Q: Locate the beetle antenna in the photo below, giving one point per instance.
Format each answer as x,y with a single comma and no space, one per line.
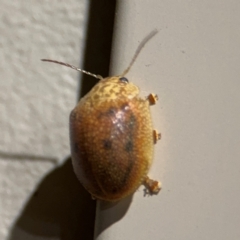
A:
140,47
73,67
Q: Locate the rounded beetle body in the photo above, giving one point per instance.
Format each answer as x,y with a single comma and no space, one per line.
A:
111,138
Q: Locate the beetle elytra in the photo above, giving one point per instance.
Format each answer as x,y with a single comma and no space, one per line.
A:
112,136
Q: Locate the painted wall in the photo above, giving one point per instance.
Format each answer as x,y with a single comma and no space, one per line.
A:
192,64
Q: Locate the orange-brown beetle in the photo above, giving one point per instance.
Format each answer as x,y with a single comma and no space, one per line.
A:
112,137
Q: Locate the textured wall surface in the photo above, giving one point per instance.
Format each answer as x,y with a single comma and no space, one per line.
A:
35,101
192,64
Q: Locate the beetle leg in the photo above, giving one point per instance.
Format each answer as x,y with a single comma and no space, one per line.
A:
156,136
152,98
152,186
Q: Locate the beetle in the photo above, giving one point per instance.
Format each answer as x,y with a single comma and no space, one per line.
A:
112,137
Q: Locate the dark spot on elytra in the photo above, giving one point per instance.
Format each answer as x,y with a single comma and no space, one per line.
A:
107,144
129,146
132,122
112,111
128,170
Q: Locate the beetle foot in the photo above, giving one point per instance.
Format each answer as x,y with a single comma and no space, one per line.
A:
156,136
152,98
152,186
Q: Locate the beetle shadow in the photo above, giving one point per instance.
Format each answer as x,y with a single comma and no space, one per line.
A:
59,208
109,213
